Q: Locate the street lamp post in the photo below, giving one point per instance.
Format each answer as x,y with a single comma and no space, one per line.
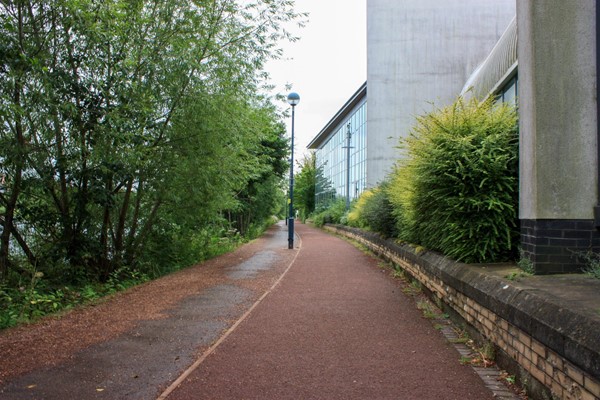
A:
293,99
348,147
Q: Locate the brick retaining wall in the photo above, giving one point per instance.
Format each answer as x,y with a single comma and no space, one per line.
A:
554,351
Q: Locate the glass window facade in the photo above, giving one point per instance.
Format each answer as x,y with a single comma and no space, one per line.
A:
509,92
332,159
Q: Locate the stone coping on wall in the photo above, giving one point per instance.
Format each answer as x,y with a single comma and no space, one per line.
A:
560,312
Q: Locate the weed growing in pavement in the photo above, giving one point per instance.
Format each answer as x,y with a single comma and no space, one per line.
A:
484,355
525,264
487,353
478,360
509,378
462,337
399,273
426,308
413,288
511,382
363,248
360,246
395,270
460,340
464,360
383,265
429,310
592,261
515,276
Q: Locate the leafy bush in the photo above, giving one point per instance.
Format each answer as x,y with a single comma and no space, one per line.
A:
124,278
378,213
355,216
334,214
36,296
374,211
457,189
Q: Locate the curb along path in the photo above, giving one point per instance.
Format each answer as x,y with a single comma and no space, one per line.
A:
335,327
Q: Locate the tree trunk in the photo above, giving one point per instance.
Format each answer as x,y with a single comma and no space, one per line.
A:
15,185
120,231
141,238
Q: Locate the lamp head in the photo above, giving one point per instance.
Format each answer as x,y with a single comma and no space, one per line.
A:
293,99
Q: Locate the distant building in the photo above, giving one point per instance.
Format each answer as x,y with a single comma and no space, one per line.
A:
420,53
331,150
497,75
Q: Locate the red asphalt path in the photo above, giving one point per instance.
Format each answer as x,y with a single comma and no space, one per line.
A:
335,327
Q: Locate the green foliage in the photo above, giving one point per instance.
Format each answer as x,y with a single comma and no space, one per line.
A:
356,214
304,186
135,136
525,264
39,297
456,190
334,214
374,211
592,261
124,278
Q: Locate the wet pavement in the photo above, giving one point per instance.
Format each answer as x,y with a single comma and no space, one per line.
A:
320,321
336,327
137,364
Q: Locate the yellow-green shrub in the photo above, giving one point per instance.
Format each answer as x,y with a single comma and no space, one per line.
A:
456,190
355,214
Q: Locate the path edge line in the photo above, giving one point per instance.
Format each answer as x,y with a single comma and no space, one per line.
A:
212,348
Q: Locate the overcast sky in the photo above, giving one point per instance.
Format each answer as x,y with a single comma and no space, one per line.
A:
326,66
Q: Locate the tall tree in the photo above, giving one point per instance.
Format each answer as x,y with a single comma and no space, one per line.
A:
93,107
305,185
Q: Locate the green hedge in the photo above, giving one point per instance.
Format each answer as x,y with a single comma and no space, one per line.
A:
374,211
456,189
335,213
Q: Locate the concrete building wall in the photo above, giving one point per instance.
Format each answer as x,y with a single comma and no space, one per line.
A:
558,132
557,70
421,52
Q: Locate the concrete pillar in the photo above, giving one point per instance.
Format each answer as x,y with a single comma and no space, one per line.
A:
558,132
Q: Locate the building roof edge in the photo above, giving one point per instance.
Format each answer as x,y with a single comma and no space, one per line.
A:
338,117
